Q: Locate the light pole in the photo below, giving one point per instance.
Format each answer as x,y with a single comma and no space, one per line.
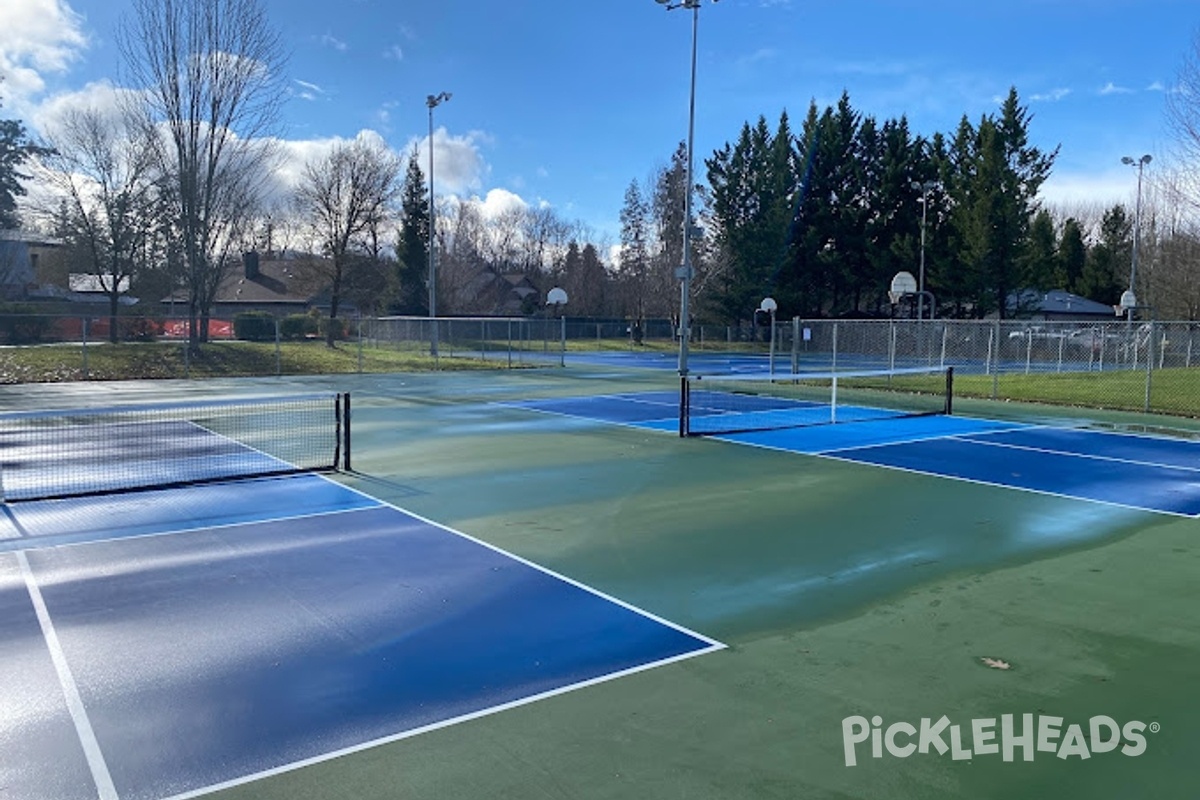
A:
1131,301
684,273
433,101
924,187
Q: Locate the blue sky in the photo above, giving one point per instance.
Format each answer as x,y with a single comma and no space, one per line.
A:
564,103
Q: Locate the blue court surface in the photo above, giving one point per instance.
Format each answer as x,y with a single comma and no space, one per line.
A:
1150,473
166,644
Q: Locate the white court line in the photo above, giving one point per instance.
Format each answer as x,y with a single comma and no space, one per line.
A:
641,425
308,762
834,455
1009,486
105,788
710,645
55,541
1073,454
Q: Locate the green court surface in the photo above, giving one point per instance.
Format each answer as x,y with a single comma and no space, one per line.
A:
842,591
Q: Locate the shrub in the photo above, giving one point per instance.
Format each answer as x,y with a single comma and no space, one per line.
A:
23,324
298,326
338,326
254,326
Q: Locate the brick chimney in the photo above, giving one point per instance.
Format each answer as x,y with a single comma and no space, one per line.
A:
250,264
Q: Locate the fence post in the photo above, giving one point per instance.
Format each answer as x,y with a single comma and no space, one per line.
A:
278,354
834,355
795,345
945,337
1149,364
996,360
84,327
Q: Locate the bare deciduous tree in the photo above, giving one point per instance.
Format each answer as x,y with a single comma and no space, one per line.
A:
104,173
210,77
1183,105
345,197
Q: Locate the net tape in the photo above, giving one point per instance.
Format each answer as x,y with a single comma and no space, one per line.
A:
95,451
737,403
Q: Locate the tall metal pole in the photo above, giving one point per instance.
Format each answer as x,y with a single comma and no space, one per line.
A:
433,101
924,186
684,272
1137,223
921,273
1129,298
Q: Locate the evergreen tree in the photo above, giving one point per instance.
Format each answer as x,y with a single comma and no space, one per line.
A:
1107,269
15,149
635,253
594,283
997,178
1072,256
412,247
667,209
748,205
1039,267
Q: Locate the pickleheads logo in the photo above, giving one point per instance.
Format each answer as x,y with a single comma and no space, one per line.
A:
1028,735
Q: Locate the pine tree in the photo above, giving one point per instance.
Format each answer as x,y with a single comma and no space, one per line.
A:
1039,266
994,188
1072,256
635,254
15,149
412,247
1106,271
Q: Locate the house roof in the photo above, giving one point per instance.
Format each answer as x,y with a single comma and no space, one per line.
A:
277,281
1058,302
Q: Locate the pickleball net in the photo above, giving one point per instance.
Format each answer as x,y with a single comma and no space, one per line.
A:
712,405
96,451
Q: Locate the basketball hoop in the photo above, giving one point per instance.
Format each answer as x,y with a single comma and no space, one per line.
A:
903,283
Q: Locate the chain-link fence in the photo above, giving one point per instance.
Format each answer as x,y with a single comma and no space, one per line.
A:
49,347
1119,365
1126,366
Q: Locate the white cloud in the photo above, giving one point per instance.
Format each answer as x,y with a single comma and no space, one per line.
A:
1053,96
394,53
296,153
101,96
498,202
1112,88
308,91
458,166
37,37
329,40
1090,189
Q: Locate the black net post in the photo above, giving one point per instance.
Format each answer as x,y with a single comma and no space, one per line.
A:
684,406
949,390
345,431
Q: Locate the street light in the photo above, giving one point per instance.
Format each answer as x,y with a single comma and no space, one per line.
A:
433,101
924,187
1131,301
684,273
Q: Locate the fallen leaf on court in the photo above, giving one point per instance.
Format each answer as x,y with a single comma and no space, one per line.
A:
996,663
